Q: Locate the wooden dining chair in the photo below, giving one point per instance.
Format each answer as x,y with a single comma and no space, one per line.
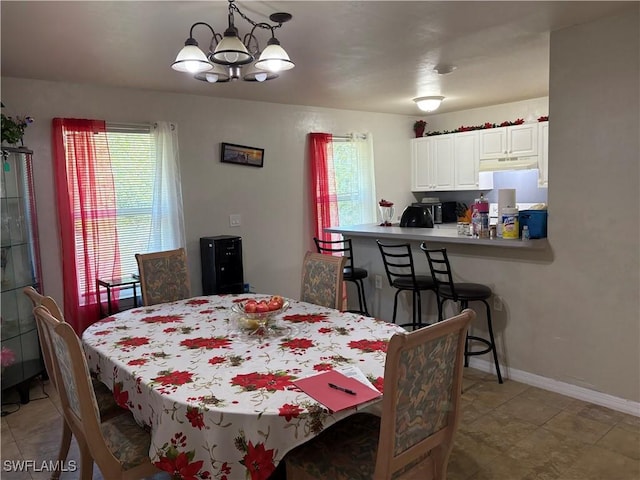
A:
413,437
104,397
164,276
119,446
351,273
322,280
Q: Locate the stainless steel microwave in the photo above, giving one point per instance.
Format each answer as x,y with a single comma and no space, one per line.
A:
441,212
435,209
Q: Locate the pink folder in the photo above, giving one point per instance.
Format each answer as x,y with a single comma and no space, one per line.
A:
317,387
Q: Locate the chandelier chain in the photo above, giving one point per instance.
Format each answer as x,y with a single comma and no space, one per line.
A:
264,25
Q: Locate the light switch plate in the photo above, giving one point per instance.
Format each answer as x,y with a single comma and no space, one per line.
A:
235,220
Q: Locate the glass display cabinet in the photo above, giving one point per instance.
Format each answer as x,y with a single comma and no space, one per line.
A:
21,358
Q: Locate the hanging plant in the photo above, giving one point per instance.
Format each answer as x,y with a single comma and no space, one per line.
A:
13,129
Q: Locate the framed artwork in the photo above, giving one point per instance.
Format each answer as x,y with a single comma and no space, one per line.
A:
231,153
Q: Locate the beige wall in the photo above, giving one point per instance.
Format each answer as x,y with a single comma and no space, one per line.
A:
571,314
272,201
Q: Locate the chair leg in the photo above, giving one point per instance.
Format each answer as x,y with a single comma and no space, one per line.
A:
363,302
463,305
439,305
65,443
395,305
441,308
492,340
417,320
86,461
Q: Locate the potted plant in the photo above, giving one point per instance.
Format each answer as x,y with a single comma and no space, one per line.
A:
13,129
419,127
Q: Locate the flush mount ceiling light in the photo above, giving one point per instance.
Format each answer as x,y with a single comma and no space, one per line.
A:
228,54
428,104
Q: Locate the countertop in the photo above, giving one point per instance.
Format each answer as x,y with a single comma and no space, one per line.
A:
445,233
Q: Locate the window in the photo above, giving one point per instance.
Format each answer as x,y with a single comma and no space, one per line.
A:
342,181
118,193
133,163
354,186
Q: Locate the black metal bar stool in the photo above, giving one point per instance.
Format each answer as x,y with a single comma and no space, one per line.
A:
463,293
350,273
401,273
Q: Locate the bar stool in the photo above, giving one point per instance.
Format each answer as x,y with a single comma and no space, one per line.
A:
401,273
350,273
463,293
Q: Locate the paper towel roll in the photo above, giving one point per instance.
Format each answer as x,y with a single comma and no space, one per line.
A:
506,199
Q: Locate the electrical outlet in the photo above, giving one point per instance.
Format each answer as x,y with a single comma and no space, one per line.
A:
235,220
378,281
497,303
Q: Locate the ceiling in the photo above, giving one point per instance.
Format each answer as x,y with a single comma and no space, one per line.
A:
355,55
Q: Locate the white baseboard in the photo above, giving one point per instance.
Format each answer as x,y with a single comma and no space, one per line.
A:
573,391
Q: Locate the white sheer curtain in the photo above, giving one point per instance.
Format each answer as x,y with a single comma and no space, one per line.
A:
366,179
167,219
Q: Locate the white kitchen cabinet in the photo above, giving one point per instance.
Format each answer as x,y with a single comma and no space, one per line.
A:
467,160
420,166
445,162
432,163
543,154
513,141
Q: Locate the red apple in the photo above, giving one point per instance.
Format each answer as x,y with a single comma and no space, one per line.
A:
262,307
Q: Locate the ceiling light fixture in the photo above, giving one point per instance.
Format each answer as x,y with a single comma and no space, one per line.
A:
228,54
428,104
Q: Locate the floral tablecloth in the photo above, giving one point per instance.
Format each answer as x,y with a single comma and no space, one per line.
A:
220,401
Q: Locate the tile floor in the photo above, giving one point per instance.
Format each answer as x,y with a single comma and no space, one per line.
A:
507,432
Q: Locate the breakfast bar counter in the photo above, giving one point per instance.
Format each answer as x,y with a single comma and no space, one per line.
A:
440,234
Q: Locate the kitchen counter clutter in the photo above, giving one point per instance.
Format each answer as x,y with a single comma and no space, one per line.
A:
447,233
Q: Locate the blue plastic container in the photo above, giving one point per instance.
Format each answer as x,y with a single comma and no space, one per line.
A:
536,220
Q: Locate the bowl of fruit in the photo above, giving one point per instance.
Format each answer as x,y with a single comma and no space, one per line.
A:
259,314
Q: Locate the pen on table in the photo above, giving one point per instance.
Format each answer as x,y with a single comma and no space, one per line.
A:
342,389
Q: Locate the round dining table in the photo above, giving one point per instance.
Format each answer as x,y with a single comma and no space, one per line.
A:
218,397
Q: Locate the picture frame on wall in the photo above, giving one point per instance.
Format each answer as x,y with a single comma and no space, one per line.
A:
242,155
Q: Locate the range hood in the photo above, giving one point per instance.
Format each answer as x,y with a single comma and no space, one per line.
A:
502,164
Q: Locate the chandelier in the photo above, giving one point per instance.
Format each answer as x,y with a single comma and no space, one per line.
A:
228,55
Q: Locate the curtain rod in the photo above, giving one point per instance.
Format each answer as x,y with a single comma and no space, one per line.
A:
351,136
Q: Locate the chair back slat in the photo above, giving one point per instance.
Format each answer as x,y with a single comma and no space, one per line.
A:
398,261
322,280
440,269
341,247
164,276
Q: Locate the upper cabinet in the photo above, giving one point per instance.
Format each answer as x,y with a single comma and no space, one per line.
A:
512,141
543,156
467,161
432,163
446,162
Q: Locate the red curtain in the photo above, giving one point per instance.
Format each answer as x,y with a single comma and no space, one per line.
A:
323,184
86,213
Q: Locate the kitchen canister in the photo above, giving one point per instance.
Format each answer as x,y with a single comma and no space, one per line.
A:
510,227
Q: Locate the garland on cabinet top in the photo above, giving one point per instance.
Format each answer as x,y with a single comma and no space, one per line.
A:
484,126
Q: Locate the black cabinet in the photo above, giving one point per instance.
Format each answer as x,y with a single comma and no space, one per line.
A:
221,258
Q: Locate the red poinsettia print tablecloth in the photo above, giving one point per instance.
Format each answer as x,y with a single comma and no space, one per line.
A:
220,401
